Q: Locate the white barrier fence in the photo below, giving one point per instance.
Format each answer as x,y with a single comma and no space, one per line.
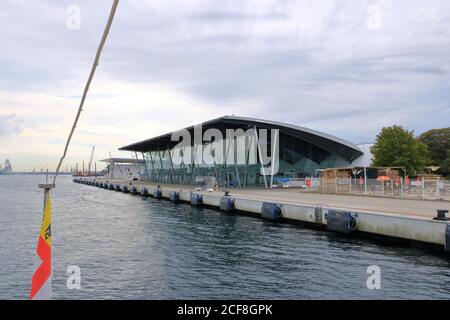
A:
397,188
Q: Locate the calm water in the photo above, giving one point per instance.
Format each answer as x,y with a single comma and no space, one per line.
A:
129,247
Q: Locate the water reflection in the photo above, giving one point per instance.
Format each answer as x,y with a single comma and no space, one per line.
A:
134,248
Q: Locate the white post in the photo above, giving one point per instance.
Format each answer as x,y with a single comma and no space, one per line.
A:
365,180
423,187
437,189
260,157
47,187
351,182
401,187
273,157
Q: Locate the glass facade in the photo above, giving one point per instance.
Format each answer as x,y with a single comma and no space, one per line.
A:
240,165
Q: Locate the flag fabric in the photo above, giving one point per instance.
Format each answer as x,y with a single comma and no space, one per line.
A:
41,282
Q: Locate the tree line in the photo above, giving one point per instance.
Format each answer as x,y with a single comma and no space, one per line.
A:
397,147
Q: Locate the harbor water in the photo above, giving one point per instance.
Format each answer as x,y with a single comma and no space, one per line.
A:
130,247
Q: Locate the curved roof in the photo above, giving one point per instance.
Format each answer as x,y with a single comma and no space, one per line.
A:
344,148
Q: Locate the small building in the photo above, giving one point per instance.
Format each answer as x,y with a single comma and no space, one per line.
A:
125,169
343,180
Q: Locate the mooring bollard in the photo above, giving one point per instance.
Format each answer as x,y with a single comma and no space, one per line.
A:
196,200
226,204
441,215
157,194
341,221
144,192
271,211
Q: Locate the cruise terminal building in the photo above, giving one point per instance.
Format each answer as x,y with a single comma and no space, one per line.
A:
239,151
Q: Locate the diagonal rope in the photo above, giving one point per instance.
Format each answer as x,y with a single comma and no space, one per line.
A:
86,88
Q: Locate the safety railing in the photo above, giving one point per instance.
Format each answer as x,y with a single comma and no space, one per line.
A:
397,187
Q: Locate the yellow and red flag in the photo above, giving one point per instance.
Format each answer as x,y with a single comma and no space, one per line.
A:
41,282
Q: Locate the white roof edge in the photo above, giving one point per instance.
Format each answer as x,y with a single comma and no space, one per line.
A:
295,127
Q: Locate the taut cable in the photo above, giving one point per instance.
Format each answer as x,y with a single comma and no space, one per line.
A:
88,83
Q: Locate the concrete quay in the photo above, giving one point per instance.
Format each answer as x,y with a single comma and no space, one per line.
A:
387,217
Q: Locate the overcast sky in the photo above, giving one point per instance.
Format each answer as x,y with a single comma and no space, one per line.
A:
347,68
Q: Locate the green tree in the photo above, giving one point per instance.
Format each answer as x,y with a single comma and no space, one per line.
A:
397,147
438,143
445,165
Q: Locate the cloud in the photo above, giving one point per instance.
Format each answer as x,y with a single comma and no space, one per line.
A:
168,64
9,125
116,113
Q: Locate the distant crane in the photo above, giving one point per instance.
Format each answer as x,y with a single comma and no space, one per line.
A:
90,161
